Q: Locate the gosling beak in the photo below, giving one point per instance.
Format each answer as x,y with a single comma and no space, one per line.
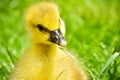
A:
57,37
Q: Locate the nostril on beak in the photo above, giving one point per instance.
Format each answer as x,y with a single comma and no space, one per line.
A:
57,37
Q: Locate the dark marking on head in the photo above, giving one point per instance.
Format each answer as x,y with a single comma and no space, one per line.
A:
42,28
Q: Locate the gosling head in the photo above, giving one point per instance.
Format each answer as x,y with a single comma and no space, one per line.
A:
45,25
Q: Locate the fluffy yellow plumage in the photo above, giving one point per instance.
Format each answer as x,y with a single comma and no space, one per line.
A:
44,60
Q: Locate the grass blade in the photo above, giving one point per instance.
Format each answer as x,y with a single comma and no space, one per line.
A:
109,61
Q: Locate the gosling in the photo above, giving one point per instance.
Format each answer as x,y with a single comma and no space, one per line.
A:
44,60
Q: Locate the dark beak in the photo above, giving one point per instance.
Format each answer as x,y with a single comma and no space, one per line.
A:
57,37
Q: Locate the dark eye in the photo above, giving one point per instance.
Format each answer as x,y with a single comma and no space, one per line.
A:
40,27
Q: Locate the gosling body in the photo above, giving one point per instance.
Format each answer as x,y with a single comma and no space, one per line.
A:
44,60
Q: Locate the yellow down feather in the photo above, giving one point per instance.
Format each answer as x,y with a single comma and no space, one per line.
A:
44,60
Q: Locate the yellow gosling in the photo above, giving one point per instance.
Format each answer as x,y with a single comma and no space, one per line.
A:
44,60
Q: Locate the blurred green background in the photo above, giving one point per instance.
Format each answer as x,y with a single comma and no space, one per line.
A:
93,34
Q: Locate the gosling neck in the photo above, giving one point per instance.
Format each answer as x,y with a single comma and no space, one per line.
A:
44,49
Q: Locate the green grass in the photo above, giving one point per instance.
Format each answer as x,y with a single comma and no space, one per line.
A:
93,34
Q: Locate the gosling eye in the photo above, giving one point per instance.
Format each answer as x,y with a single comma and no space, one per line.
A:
40,27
